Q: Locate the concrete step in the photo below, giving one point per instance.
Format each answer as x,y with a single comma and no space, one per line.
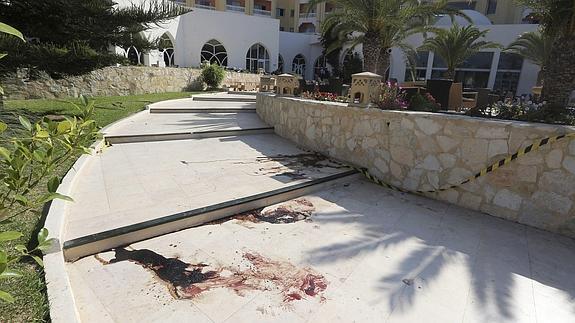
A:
101,241
235,98
123,139
201,110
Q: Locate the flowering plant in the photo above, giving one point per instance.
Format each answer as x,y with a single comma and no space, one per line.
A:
526,111
323,96
391,97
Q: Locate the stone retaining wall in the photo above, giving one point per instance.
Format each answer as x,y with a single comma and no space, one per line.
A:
125,80
425,151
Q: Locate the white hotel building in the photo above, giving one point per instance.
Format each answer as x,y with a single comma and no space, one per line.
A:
282,35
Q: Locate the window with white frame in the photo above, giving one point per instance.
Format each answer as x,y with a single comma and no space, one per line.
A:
166,47
473,73
298,65
214,52
320,69
257,57
508,73
417,72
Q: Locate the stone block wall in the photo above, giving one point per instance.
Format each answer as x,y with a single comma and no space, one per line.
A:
125,80
426,151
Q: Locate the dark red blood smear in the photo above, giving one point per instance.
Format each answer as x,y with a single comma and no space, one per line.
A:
313,284
171,270
186,280
293,296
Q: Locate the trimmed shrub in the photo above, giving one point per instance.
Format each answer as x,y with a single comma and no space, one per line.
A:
213,75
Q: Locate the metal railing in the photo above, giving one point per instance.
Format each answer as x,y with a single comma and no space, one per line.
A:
230,7
307,15
260,12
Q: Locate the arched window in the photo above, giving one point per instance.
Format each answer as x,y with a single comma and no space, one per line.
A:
133,52
257,57
166,47
134,55
215,53
307,28
320,68
280,64
298,65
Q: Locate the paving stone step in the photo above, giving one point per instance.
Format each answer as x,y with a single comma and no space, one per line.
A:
98,242
224,99
201,110
123,139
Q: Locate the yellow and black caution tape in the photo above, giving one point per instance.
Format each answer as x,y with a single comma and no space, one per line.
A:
533,147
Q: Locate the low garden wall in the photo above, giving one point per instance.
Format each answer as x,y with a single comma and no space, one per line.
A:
425,151
125,80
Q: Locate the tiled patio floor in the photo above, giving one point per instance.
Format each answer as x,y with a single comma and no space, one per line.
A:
355,252
385,257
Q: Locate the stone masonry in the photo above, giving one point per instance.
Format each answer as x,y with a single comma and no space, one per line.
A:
426,151
125,80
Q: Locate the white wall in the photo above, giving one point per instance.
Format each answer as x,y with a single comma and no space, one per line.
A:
292,44
237,32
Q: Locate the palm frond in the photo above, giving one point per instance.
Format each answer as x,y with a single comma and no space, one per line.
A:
532,46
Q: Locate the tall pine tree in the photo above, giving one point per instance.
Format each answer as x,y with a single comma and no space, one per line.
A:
74,36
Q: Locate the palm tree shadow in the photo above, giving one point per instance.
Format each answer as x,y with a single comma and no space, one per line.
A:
434,246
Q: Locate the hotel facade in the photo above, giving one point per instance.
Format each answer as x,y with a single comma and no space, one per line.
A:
282,36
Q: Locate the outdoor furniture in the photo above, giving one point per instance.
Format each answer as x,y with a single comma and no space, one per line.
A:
536,90
493,98
237,86
459,100
482,97
439,89
286,84
267,83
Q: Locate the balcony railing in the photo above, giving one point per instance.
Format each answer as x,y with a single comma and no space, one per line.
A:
205,6
260,12
307,15
230,7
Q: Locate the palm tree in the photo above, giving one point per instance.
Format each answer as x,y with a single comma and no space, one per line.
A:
535,47
557,17
379,25
457,44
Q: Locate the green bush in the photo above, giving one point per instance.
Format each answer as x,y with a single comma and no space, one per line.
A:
213,75
73,59
425,102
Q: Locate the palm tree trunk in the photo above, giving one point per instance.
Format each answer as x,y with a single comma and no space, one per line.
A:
559,74
371,50
450,74
384,59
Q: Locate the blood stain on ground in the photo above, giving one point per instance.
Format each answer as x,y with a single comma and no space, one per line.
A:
295,166
286,212
186,280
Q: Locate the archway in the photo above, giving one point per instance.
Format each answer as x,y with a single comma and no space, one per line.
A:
307,28
214,52
257,57
298,65
166,48
321,68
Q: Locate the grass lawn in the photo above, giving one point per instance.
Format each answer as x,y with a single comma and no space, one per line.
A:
29,290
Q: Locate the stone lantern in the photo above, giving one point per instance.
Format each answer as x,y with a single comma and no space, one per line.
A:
365,89
286,84
267,83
